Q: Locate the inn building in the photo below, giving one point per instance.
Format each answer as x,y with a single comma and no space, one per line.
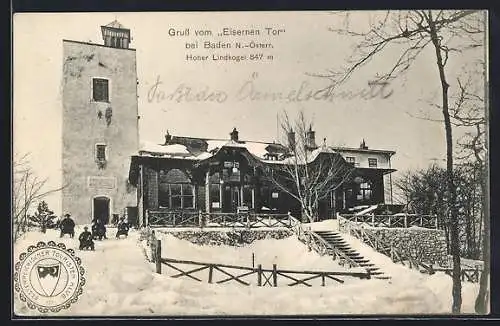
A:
185,175
107,173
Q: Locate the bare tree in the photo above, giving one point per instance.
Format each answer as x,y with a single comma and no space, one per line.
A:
410,32
470,112
27,188
307,173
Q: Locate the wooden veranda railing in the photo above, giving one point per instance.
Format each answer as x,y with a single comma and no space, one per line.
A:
203,219
394,221
223,273
246,220
171,218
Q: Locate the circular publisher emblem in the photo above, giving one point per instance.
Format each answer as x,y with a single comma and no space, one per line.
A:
49,277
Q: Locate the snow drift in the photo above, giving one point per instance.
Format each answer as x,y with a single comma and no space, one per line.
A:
120,282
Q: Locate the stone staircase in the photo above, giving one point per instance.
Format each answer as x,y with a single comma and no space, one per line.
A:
336,240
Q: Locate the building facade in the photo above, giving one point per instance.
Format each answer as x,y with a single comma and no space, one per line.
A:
186,174
100,125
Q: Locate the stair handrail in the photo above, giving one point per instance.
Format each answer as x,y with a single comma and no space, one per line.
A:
360,232
302,233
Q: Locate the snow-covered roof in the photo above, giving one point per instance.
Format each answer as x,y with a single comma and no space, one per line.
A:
115,24
191,148
203,148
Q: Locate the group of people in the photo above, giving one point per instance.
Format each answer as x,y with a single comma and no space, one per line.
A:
98,228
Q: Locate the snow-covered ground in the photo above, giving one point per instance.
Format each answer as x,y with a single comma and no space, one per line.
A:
121,282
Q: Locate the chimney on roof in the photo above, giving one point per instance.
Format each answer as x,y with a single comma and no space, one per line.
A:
311,138
362,145
291,139
234,135
168,137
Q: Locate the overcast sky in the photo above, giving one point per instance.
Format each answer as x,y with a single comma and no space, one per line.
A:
306,46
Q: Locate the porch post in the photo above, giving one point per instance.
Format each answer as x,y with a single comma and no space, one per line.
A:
241,196
207,191
141,219
253,197
220,195
343,199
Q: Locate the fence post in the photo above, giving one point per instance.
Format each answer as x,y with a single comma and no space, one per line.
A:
158,256
200,219
253,260
389,222
373,220
210,273
436,222
275,276
259,275
406,221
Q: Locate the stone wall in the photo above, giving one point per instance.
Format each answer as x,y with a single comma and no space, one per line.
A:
236,238
426,245
86,123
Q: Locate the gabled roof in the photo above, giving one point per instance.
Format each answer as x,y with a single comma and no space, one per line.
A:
115,24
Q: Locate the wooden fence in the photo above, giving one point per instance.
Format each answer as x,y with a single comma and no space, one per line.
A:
319,245
398,256
466,274
203,219
222,273
386,248
173,218
395,221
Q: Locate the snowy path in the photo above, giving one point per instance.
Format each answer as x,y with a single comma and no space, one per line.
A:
120,282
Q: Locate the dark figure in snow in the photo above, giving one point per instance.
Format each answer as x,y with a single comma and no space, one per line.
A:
123,228
98,230
86,241
67,226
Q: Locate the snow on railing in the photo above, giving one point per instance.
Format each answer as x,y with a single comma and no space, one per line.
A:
319,245
394,221
382,246
173,218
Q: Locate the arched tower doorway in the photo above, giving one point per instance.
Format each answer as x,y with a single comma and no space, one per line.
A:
101,209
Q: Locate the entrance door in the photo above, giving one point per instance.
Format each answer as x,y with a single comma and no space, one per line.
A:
101,209
230,199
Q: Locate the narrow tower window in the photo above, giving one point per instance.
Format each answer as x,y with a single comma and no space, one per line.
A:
100,90
100,152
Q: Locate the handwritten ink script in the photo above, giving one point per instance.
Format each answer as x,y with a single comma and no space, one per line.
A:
250,90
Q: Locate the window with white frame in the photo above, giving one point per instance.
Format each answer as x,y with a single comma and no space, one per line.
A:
351,159
372,162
